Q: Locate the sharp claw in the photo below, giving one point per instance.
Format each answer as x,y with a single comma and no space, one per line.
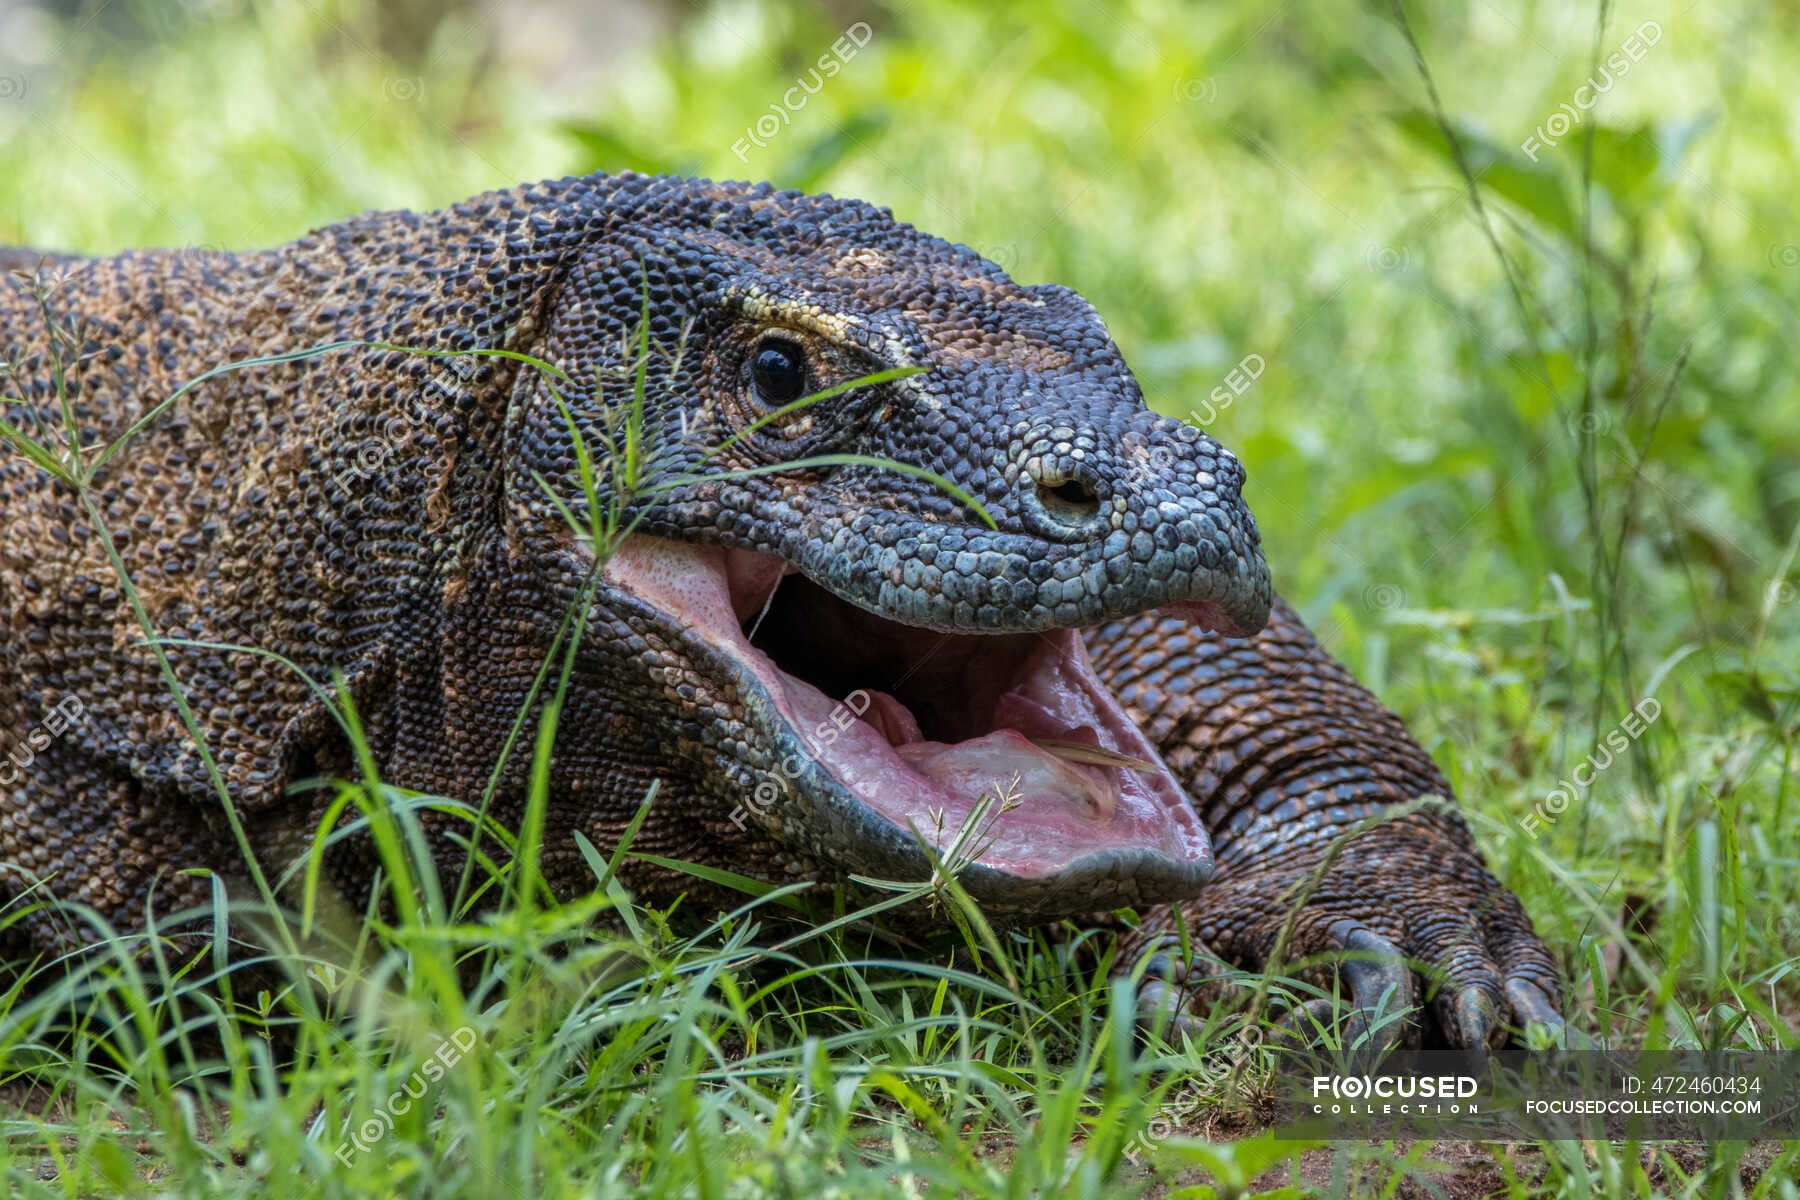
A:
1532,1007
1381,984
1304,1023
1164,1006
1176,988
1474,1022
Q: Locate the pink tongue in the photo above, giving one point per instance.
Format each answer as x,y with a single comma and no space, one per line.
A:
989,765
893,719
1018,711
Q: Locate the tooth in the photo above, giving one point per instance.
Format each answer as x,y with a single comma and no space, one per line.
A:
1081,752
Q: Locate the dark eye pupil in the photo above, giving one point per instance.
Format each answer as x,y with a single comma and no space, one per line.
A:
780,372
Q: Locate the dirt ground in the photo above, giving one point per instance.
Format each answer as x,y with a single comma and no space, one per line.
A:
1472,1170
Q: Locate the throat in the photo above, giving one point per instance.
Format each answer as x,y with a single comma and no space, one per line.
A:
946,686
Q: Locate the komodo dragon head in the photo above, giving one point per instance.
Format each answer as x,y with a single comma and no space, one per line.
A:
849,656
825,655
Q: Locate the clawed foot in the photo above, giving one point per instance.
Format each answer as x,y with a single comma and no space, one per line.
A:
1405,924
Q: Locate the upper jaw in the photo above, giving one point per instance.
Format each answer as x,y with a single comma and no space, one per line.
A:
976,581
853,780
1146,547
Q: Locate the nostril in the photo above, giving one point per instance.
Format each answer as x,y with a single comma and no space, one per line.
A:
1071,501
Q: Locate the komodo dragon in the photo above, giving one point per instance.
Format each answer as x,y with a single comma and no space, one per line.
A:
814,662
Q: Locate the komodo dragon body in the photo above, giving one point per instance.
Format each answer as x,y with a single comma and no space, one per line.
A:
822,665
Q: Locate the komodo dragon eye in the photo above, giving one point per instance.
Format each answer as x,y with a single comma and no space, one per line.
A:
779,371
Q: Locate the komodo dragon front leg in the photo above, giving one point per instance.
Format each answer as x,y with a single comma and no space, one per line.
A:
1284,754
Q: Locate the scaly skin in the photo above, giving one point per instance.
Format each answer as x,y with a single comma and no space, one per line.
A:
1284,753
383,516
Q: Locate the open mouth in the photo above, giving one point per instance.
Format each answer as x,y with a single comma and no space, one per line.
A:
919,725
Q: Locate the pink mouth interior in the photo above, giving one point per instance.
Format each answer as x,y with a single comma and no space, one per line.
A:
919,725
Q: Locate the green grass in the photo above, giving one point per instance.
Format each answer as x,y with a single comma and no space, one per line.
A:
1521,466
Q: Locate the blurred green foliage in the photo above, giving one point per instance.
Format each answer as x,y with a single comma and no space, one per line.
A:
1520,462
1437,429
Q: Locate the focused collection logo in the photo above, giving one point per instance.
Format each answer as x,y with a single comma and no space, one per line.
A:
1375,1095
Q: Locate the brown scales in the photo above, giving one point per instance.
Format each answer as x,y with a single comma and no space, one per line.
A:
270,509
